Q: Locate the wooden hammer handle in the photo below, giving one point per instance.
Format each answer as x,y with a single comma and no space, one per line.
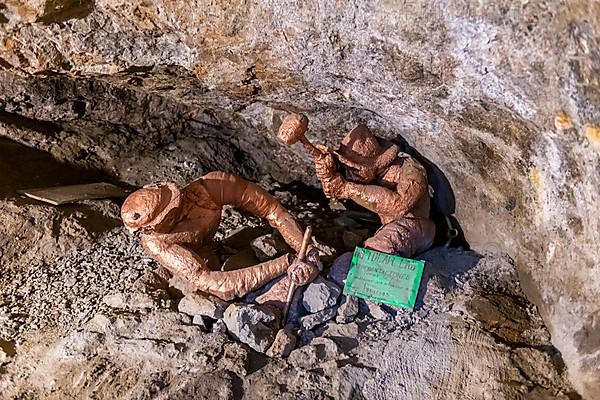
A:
314,152
305,241
301,256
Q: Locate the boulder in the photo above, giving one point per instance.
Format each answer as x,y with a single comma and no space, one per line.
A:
202,304
284,343
320,294
310,321
252,324
348,309
310,356
266,247
138,300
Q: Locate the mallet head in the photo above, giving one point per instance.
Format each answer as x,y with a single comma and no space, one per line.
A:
293,128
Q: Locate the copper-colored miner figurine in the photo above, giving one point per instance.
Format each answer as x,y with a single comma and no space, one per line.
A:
177,228
377,175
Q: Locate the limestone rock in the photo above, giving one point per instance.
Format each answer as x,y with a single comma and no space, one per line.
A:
137,300
200,304
348,309
253,325
311,355
201,321
310,321
219,327
375,310
284,343
268,246
320,294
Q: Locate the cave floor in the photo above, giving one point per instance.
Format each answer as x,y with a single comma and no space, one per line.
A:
473,335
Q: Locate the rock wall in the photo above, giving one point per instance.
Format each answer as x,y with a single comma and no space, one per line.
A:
503,96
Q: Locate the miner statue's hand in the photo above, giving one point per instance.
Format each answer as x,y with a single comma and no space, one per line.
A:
331,180
303,272
325,163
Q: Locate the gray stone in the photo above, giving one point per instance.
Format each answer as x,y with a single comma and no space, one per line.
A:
375,310
3,356
266,247
306,337
137,300
284,343
310,356
349,330
348,309
310,321
320,294
200,304
326,252
339,269
253,325
152,280
219,327
201,321
181,286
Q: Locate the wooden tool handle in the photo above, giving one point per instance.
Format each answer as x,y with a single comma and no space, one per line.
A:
305,241
301,256
314,152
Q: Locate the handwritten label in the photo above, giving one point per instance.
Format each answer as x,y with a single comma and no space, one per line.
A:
384,278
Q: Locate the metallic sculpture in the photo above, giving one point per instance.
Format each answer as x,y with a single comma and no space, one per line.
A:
177,229
377,175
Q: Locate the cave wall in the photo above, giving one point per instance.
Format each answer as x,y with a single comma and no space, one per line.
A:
503,96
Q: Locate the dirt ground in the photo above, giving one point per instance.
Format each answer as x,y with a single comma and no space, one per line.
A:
473,335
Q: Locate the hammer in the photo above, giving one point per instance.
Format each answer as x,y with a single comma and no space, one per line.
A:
292,130
301,256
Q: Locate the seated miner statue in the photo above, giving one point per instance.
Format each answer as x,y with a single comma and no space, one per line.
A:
377,175
177,229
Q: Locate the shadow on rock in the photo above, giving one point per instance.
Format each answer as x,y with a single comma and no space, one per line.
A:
445,264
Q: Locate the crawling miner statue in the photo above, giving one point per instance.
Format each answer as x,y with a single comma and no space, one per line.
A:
177,229
377,175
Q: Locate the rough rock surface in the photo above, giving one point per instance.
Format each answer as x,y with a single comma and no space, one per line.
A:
312,320
348,309
471,315
253,325
320,294
200,304
503,96
284,343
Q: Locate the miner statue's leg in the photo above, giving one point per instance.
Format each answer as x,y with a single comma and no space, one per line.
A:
404,237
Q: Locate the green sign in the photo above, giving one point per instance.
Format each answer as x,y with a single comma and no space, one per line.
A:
384,278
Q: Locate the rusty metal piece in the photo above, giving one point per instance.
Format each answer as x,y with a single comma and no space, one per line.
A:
177,228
